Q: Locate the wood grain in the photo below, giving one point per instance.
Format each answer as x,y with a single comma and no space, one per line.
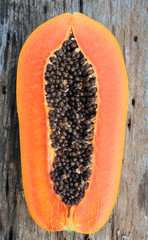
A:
127,20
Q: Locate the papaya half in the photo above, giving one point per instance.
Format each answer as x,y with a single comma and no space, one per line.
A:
72,100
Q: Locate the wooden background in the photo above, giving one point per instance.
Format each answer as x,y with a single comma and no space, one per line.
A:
127,20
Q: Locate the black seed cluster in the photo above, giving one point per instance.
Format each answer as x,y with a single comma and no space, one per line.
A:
71,97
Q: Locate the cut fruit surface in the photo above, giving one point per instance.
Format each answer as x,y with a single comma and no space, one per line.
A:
72,120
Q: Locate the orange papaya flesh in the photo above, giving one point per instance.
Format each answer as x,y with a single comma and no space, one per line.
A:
102,50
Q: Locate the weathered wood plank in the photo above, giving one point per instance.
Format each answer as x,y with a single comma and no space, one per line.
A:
127,20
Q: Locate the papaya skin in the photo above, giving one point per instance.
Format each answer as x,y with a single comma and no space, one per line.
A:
101,48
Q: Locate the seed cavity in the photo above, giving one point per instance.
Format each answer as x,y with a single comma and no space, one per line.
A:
71,96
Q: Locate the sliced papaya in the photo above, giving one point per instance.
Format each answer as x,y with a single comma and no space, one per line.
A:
72,100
